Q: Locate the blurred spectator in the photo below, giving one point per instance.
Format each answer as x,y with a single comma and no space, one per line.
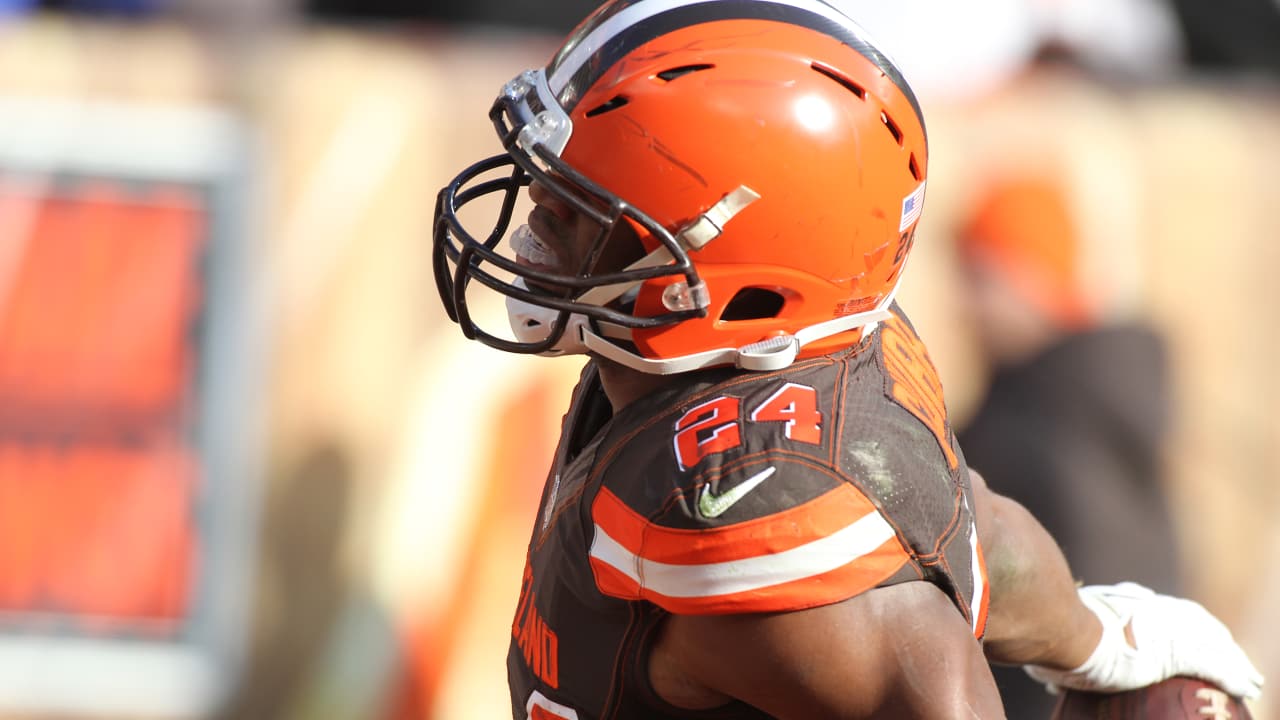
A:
1075,414
1231,35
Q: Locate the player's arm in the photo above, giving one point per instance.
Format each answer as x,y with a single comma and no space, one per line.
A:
900,651
1103,638
1035,615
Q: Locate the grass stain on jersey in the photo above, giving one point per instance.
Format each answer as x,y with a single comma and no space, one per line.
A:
874,466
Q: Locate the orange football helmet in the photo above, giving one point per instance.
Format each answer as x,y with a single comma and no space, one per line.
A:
771,160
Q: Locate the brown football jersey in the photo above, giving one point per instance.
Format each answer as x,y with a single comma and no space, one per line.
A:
732,492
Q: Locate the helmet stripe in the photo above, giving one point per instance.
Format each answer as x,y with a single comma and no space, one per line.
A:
607,38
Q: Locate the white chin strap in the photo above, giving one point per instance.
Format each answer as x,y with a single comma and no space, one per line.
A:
531,323
773,353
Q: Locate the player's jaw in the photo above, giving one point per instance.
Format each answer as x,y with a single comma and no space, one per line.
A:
563,240
554,239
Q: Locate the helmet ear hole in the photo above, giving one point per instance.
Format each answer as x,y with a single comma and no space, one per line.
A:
753,303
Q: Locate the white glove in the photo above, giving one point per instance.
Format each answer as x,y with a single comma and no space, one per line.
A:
1173,636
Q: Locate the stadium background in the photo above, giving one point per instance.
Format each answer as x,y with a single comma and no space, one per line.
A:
386,472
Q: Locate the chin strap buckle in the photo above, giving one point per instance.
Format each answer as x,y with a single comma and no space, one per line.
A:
772,353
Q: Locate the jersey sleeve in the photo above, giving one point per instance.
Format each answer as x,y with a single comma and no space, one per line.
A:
761,545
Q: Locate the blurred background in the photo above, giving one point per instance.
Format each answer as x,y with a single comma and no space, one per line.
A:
249,470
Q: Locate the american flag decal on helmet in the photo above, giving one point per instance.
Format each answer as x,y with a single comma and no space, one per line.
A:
911,206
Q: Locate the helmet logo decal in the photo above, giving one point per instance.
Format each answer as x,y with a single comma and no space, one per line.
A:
911,207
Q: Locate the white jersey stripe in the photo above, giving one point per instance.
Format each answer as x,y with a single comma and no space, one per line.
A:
975,607
724,578
642,11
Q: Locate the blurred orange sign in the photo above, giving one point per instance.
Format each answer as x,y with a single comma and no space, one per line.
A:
100,298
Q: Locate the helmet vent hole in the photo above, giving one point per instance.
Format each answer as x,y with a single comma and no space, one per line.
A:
677,72
753,303
893,127
613,103
913,166
848,84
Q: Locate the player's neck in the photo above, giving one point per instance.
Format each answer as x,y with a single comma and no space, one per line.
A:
623,386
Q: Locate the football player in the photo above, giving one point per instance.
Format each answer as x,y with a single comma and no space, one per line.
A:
758,507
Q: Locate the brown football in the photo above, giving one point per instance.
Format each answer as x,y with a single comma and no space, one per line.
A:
1179,698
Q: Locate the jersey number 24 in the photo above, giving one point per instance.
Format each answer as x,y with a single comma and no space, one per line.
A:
715,425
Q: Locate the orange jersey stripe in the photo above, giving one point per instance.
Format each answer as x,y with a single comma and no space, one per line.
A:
713,589
814,520
814,554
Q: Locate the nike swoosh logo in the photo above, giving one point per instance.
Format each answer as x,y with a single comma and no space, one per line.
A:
713,506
